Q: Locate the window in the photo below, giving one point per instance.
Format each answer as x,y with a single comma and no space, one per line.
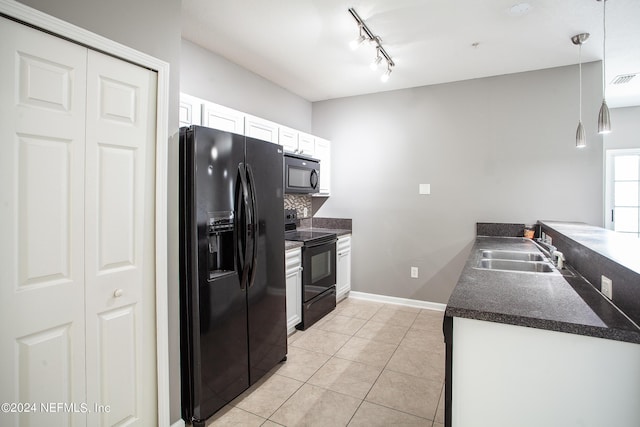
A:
622,186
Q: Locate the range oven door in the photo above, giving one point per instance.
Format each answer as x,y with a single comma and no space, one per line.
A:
318,269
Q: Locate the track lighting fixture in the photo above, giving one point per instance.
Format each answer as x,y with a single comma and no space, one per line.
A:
366,34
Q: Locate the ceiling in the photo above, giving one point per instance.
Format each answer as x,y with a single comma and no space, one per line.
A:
302,45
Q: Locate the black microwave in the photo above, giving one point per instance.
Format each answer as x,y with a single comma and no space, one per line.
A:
301,174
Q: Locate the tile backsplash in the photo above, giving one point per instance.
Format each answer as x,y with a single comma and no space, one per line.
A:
298,202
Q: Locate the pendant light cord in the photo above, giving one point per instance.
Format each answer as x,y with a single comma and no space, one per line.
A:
604,47
580,73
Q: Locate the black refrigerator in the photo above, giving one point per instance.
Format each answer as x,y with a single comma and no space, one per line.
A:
232,281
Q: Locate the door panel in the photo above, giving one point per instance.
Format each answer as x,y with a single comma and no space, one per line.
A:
267,296
116,227
42,122
44,372
118,368
120,295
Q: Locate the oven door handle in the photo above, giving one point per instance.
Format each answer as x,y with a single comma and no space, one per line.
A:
254,229
315,245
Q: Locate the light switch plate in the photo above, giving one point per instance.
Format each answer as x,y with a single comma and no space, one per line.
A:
424,189
414,272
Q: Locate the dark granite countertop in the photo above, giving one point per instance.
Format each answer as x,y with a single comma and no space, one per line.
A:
623,249
291,244
548,301
338,231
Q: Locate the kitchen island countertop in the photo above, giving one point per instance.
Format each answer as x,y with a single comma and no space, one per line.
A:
550,301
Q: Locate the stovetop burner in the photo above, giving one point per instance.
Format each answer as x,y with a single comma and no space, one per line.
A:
306,236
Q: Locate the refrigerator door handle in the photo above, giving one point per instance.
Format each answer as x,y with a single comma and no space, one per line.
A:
255,226
242,202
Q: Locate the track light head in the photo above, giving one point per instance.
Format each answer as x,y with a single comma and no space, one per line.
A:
376,62
355,43
385,77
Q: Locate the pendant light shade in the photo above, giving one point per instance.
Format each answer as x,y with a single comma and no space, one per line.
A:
604,122
581,138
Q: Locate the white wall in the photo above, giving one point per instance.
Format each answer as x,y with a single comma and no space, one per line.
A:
499,149
625,125
209,76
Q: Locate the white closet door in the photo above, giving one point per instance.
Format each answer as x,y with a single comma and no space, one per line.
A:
120,293
42,124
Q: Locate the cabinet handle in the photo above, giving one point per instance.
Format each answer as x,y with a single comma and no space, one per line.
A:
118,293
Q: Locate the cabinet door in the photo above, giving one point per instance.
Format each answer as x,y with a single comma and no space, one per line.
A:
293,268
343,266
42,126
223,118
190,110
306,144
119,236
323,153
288,138
265,130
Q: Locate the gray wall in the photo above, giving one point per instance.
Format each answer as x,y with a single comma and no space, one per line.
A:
209,76
499,149
625,125
152,27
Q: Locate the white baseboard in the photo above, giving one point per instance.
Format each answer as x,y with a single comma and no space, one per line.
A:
179,423
398,301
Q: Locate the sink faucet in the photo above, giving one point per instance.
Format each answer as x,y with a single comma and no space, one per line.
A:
549,247
561,259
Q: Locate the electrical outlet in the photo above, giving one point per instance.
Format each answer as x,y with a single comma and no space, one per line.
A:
606,285
414,272
305,212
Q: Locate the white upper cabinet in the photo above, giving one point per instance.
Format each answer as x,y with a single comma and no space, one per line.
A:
306,144
223,118
265,130
288,138
190,110
196,111
297,142
322,152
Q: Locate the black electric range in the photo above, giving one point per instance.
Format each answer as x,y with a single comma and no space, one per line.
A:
318,270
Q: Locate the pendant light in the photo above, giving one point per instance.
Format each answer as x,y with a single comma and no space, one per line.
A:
581,139
604,122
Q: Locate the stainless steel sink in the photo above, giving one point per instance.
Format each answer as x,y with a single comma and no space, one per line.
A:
511,265
511,255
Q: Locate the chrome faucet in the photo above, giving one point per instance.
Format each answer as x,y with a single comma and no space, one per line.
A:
550,249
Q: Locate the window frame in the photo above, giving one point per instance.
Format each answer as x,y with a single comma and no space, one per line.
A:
609,185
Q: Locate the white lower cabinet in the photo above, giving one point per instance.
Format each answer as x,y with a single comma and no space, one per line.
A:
293,272
343,267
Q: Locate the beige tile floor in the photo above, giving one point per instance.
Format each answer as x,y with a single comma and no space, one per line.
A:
364,364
